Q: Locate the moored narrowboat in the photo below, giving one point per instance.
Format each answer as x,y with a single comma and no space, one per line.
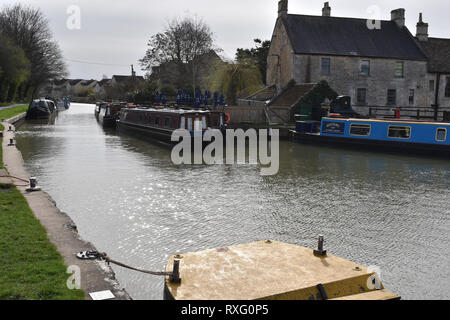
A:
41,109
109,113
418,137
159,124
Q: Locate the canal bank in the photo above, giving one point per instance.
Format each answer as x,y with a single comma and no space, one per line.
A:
126,196
95,276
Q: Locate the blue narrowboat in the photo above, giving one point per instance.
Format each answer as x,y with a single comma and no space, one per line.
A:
422,137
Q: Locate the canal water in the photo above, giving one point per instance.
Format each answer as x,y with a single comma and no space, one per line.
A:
126,197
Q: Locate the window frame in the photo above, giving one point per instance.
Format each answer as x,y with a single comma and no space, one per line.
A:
322,66
167,122
402,64
432,86
413,97
362,125
361,68
446,134
447,88
410,132
395,100
358,90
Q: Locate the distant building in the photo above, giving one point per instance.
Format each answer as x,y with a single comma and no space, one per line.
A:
377,67
101,88
171,74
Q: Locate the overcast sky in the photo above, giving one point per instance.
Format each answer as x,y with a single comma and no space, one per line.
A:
117,31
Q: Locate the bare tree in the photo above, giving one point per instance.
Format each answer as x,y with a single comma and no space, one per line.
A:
182,43
29,29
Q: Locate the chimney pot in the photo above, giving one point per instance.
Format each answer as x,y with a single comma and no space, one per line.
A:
283,8
326,11
398,16
422,29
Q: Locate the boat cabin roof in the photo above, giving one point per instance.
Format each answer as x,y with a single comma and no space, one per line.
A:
399,121
169,111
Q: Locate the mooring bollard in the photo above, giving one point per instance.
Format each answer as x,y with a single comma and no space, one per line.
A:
320,251
33,185
11,142
175,277
10,129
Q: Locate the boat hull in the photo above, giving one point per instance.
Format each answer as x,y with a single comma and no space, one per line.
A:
154,134
372,145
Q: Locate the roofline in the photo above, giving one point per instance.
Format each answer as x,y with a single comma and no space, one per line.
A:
425,58
359,56
434,38
334,17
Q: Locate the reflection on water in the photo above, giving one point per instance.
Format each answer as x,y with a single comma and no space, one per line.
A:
128,199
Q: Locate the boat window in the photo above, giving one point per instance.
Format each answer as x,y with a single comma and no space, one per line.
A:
190,124
152,120
360,130
197,125
157,121
399,132
221,120
204,123
441,134
215,120
183,123
167,122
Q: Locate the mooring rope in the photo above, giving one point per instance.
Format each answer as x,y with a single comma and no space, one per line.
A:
105,257
16,178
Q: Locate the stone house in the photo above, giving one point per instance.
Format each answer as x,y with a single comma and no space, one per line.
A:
101,88
379,66
437,51
175,76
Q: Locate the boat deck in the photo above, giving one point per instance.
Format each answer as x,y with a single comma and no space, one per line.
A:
269,270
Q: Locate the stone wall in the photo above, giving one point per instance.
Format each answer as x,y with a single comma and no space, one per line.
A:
279,71
345,78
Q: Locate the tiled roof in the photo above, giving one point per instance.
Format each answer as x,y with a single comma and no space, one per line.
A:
292,95
127,78
438,54
350,37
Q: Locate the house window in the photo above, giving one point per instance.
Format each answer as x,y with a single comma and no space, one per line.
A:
447,88
365,68
360,130
399,132
441,134
432,85
392,97
399,69
361,96
325,66
411,97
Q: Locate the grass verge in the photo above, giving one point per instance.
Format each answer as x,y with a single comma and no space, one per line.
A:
12,112
31,268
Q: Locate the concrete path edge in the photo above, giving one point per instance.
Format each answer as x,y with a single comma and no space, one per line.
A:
95,275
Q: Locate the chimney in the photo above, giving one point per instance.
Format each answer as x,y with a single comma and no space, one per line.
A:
398,16
422,29
326,11
282,8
